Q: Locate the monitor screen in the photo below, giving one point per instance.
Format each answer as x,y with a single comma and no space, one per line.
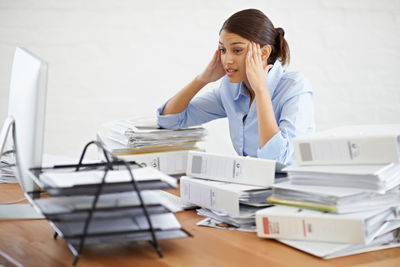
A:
27,103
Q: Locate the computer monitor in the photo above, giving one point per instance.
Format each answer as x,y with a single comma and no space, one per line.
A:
26,109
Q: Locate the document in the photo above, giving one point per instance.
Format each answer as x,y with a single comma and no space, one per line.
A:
332,199
77,207
119,149
378,178
159,221
71,179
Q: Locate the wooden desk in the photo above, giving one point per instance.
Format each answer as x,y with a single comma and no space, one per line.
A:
31,243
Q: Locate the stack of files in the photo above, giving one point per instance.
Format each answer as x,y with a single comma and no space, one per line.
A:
328,235
130,137
144,142
229,198
71,208
7,173
378,178
87,181
342,196
232,188
332,199
130,133
118,215
123,228
224,221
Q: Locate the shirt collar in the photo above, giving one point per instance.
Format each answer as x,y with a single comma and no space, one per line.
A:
273,77
242,90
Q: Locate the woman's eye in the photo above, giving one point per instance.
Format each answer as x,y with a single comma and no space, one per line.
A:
222,50
237,50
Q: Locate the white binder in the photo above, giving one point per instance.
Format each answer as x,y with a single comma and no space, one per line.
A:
301,224
233,169
172,163
358,144
214,195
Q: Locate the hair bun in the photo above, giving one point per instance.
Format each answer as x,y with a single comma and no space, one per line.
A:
280,32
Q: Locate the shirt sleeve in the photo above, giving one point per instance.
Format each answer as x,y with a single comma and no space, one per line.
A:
200,110
297,118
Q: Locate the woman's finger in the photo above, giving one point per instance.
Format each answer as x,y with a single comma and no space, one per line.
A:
259,53
248,56
250,50
255,57
216,56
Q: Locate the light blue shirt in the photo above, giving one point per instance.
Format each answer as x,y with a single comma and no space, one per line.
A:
292,101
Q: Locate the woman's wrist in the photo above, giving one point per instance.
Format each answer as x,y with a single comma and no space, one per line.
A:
261,90
201,83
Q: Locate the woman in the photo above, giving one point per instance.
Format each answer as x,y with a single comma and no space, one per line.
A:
266,106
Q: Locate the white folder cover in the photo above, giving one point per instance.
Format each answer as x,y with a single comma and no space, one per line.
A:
357,144
388,238
301,224
233,169
171,163
218,196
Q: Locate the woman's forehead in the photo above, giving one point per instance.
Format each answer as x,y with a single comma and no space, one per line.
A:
229,38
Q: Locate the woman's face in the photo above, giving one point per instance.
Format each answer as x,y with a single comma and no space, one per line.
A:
233,49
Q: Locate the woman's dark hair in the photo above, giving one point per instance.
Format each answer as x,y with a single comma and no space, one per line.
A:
255,26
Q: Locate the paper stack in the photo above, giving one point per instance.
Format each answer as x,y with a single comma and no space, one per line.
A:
143,141
118,213
230,189
7,172
344,194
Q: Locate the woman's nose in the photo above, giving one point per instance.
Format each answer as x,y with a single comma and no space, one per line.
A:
228,59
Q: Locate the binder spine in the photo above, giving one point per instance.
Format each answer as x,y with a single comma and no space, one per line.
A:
357,150
241,170
310,228
209,197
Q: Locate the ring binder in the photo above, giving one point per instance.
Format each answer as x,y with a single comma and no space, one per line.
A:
77,238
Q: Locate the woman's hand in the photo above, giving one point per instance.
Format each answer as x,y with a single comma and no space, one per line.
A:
214,70
255,70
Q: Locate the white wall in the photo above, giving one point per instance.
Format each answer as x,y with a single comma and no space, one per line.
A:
117,59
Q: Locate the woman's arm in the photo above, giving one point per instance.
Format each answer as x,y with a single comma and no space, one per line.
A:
256,74
267,125
180,101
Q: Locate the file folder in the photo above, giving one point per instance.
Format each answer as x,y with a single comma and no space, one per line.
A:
232,169
357,144
302,224
218,196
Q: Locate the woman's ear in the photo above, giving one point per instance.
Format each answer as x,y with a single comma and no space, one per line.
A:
265,52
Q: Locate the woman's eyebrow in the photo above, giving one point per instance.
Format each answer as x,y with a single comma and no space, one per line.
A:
234,43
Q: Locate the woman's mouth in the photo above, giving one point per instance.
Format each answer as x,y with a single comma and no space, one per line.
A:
230,72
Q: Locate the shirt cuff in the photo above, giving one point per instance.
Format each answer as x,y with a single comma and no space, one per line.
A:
169,121
277,148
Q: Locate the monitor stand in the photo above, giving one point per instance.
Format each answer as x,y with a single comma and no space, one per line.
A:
7,210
